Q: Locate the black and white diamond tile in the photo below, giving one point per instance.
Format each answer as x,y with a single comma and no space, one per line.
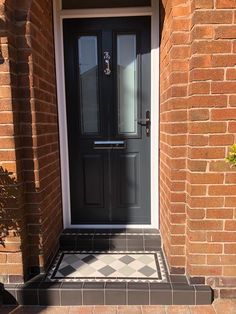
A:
108,266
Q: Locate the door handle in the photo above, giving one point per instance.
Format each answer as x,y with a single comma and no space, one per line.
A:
146,122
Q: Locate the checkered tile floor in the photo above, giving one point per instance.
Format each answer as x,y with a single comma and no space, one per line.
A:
119,266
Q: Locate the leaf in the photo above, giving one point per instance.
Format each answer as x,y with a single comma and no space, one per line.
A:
231,158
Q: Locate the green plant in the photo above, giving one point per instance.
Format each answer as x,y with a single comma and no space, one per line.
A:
231,158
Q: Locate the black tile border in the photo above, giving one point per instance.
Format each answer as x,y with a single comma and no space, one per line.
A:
183,294
110,293
71,297
178,279
204,294
161,294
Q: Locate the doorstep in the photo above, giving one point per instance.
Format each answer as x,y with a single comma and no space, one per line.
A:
108,267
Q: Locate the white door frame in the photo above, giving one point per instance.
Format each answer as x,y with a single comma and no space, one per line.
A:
59,15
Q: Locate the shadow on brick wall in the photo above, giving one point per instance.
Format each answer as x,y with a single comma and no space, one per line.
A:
34,131
162,18
9,193
18,192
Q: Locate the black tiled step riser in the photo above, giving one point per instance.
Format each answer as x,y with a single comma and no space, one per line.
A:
123,243
190,295
112,232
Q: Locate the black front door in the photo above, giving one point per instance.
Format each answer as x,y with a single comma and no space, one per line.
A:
107,70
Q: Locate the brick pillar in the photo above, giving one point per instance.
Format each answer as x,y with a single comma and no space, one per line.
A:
40,133
211,189
174,51
12,214
32,128
198,97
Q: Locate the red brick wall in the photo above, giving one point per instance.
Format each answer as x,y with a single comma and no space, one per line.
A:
29,107
174,54
210,184
12,221
43,193
198,93
197,124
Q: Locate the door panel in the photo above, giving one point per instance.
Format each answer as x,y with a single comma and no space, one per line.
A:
107,70
93,180
129,180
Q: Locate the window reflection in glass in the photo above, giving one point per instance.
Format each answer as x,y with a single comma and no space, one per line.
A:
88,80
127,82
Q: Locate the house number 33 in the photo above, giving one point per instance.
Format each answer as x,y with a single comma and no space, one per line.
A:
107,58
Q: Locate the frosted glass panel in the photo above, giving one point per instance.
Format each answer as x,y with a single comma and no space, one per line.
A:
88,78
127,84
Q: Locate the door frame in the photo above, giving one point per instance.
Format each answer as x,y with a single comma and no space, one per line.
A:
59,16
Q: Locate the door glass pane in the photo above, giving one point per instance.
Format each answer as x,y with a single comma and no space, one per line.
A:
88,79
127,83
87,4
